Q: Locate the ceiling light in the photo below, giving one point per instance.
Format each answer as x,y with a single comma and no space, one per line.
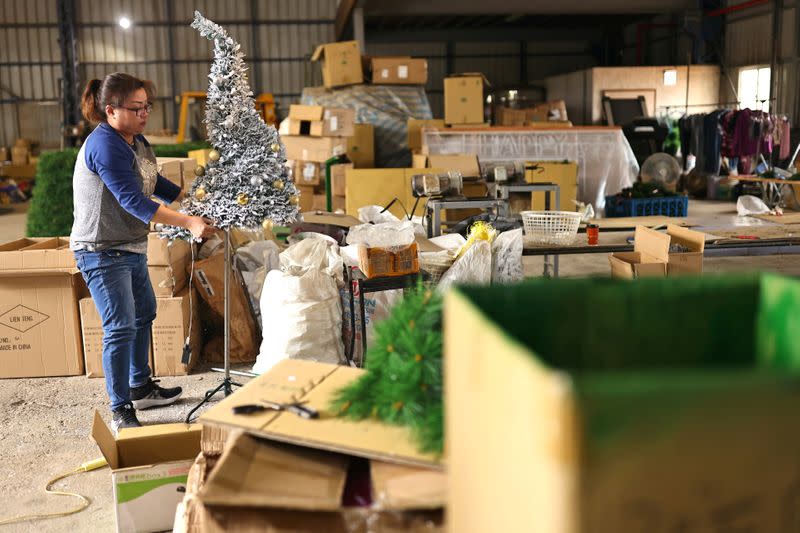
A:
125,22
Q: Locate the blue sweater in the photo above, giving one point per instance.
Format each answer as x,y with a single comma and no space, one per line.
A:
112,184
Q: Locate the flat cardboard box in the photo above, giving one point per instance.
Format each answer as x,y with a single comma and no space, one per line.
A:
379,186
561,173
687,389
333,219
415,126
149,467
361,146
294,380
463,99
40,323
399,70
174,318
649,257
339,179
306,173
316,149
92,335
163,252
341,63
171,279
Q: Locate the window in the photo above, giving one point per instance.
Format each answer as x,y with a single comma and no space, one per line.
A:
754,87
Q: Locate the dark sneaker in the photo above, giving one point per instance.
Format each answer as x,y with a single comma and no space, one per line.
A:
151,395
124,417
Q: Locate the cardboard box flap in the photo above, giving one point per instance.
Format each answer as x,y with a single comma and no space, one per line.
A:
400,487
334,219
652,245
467,164
316,384
146,445
102,436
695,241
17,244
319,52
472,75
42,272
257,473
305,112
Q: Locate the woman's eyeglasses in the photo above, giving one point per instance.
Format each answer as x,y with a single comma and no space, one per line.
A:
140,111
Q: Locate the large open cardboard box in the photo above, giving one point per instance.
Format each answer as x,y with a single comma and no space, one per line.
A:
149,466
661,405
39,316
257,485
652,256
317,121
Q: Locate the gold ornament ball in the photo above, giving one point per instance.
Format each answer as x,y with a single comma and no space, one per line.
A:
200,193
278,184
242,199
294,200
199,170
214,155
275,147
267,225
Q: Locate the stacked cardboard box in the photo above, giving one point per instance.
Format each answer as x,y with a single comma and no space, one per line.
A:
313,134
651,256
21,152
177,318
402,70
178,170
554,112
342,64
464,99
40,287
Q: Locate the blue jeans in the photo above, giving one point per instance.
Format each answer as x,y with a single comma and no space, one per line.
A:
121,290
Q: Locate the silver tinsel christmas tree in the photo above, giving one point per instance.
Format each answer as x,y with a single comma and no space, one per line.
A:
246,183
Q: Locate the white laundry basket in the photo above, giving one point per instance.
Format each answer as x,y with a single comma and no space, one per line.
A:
550,227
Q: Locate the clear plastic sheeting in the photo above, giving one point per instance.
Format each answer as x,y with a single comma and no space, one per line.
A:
606,163
386,107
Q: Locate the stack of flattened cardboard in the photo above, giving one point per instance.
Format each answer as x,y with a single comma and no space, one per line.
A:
40,287
312,134
286,473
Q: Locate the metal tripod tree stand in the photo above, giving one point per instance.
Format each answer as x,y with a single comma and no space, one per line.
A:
227,384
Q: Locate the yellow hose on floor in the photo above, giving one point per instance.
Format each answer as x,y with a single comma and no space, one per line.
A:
85,467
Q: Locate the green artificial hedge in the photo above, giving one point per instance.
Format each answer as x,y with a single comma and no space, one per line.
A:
178,150
50,213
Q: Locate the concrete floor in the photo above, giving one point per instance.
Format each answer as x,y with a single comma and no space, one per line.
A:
45,422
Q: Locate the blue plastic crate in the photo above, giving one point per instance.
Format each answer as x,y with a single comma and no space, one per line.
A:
674,206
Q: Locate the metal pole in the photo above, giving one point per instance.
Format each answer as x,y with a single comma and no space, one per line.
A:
227,307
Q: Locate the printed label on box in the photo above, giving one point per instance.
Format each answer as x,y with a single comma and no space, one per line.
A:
309,171
402,71
334,123
385,73
22,318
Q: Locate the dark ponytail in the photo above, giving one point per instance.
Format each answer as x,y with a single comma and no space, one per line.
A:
112,90
90,105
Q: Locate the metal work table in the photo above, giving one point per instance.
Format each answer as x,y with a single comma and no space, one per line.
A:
433,211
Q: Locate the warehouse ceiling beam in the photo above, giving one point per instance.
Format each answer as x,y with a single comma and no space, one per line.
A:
522,7
344,15
67,40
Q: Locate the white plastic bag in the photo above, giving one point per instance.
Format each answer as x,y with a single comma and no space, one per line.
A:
375,214
301,309
474,267
382,235
751,205
507,257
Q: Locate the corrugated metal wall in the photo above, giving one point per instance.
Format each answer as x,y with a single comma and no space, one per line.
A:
277,37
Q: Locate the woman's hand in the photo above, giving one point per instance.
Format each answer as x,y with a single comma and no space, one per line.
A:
200,227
